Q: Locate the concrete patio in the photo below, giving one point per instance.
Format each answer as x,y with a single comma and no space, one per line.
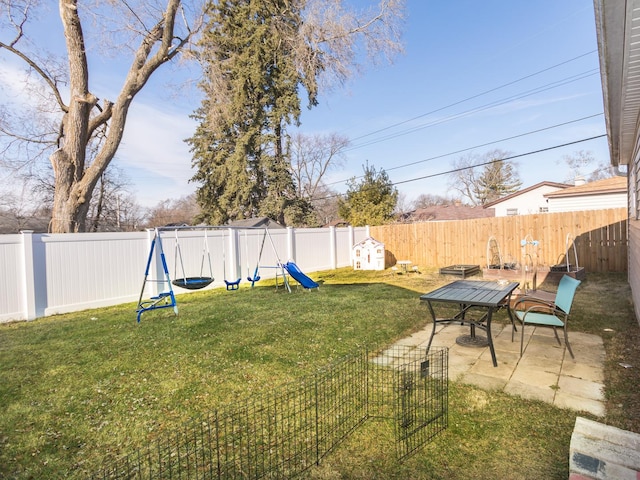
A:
545,371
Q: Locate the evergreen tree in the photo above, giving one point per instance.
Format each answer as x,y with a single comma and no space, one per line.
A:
257,55
497,180
371,201
251,91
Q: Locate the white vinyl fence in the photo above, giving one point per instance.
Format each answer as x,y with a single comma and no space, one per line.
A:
48,274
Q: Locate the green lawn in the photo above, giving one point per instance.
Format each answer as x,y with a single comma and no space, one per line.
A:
79,389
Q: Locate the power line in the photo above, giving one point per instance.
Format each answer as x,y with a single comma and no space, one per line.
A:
476,95
495,141
497,103
512,157
501,160
480,145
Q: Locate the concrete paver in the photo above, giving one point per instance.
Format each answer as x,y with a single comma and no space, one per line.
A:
545,371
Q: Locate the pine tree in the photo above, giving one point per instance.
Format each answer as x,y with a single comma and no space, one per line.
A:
251,89
497,180
371,201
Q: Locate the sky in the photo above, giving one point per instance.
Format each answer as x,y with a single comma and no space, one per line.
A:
475,76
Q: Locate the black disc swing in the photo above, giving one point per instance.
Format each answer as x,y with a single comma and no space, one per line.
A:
193,283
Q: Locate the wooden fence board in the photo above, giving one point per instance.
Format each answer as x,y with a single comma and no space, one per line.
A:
600,239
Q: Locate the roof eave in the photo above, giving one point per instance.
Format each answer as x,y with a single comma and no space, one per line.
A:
619,55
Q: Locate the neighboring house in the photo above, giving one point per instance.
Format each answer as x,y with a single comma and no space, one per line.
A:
261,222
619,49
337,223
446,212
597,195
526,201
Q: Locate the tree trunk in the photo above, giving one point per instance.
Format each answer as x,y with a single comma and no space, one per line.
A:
74,180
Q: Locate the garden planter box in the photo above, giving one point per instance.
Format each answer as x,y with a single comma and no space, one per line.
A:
461,270
558,271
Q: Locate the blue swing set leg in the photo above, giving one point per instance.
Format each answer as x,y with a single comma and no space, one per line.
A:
164,299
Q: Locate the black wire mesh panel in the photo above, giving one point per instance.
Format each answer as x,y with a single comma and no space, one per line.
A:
287,431
411,387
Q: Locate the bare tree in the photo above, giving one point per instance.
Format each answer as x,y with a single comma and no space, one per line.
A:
578,163
483,178
403,204
465,176
336,39
78,120
581,164
429,199
312,156
18,213
171,212
114,208
325,206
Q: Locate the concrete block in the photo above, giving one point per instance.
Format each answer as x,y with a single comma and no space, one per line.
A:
603,452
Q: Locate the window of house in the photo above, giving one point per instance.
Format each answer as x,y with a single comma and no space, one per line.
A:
512,211
544,209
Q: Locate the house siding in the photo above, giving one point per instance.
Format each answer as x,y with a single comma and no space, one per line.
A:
527,203
587,202
634,263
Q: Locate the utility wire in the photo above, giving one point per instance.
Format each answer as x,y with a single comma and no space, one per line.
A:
500,160
480,145
476,95
512,157
497,103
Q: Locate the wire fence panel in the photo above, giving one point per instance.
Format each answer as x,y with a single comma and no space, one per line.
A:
341,401
421,403
288,431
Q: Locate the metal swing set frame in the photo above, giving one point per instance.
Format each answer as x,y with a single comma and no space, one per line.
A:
166,298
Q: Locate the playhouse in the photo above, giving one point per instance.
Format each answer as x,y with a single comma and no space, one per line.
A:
368,255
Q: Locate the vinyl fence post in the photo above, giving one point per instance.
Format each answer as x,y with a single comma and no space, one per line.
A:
333,248
234,254
34,287
156,264
291,244
352,242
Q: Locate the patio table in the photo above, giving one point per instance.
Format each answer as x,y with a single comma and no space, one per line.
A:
485,296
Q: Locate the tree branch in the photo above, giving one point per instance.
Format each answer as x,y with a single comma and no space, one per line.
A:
32,64
100,119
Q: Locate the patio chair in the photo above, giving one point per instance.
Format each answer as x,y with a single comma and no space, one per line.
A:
531,310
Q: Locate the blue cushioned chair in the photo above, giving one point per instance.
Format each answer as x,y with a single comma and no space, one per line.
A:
537,312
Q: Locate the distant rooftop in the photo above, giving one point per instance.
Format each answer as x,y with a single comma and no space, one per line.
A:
528,189
447,212
598,187
255,222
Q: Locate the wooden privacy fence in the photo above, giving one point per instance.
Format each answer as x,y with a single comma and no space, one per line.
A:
600,239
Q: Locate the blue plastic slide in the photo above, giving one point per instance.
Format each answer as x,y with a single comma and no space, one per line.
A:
293,270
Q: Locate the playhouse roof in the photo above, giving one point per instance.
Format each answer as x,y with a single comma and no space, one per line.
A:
369,241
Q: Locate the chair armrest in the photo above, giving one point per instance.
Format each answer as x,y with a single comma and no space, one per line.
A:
536,301
548,309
